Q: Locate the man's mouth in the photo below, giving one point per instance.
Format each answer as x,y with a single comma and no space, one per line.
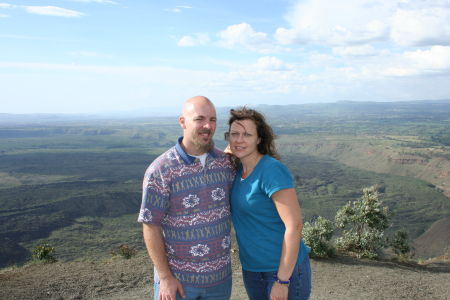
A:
205,133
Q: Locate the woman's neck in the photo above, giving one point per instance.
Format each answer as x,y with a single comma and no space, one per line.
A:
249,164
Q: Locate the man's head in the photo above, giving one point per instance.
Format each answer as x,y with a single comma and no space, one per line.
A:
198,120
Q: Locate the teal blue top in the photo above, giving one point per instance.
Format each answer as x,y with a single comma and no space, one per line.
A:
259,228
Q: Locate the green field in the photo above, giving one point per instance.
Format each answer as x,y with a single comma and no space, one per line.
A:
77,184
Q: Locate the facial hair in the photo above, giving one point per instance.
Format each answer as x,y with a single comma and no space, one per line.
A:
198,141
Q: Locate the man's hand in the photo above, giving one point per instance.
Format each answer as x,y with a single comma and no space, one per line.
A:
168,289
279,291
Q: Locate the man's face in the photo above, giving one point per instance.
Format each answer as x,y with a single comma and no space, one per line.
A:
199,124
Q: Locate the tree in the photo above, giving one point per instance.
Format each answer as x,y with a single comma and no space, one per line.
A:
317,236
363,223
400,245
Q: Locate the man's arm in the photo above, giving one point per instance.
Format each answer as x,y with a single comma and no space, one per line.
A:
154,241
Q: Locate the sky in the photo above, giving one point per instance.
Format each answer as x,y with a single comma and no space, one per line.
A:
99,56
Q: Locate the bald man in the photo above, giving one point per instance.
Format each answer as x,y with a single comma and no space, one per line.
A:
185,211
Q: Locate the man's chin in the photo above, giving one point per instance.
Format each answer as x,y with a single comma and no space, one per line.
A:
205,147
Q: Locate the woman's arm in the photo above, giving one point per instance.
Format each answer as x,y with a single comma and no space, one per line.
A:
288,208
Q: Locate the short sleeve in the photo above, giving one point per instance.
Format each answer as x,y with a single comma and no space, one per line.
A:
276,177
155,197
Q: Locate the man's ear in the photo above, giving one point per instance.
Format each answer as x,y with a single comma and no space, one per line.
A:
181,121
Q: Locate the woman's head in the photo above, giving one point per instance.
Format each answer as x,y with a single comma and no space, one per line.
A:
266,137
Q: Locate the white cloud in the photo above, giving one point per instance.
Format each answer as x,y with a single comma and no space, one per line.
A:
418,63
197,40
90,54
436,59
364,50
178,9
4,16
97,1
187,41
7,5
358,22
421,26
53,11
173,10
39,38
271,63
127,87
244,36
336,22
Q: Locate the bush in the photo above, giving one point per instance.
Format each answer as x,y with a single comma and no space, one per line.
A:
44,253
400,245
363,223
317,236
125,251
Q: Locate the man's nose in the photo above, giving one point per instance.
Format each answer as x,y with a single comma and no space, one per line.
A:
207,124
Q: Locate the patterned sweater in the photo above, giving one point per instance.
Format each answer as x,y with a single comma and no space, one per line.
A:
191,204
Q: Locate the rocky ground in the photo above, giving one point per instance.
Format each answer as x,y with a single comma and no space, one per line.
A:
117,278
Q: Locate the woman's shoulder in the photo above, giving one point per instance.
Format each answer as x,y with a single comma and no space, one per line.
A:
272,161
274,165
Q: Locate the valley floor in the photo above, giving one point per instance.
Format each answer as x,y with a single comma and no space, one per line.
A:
117,278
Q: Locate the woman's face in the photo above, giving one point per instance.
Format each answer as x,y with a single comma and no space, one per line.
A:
243,139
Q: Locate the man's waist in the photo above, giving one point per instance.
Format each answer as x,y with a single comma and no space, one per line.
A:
206,265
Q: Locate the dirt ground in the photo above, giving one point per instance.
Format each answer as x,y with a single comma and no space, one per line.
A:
117,278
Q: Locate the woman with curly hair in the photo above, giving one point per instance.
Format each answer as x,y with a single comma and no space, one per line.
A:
266,213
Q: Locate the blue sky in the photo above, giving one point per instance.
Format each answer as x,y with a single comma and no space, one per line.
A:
90,56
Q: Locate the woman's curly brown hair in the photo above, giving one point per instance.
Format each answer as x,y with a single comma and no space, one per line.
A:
264,131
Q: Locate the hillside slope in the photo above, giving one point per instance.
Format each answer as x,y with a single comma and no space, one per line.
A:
435,241
339,278
381,154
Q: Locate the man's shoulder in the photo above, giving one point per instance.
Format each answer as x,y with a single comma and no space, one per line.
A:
222,157
218,153
166,160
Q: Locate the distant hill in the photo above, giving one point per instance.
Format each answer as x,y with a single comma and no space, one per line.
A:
425,109
436,109
435,241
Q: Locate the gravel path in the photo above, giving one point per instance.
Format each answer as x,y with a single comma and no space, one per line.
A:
116,278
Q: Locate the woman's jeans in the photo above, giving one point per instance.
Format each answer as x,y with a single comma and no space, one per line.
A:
259,284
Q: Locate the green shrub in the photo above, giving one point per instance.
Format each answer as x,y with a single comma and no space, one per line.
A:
363,223
400,245
317,236
125,251
44,253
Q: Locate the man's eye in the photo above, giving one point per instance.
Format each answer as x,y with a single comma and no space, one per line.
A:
247,134
234,134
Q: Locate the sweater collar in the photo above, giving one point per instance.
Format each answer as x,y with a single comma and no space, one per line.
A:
189,159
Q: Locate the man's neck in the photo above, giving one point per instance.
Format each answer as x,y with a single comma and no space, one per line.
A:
193,151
